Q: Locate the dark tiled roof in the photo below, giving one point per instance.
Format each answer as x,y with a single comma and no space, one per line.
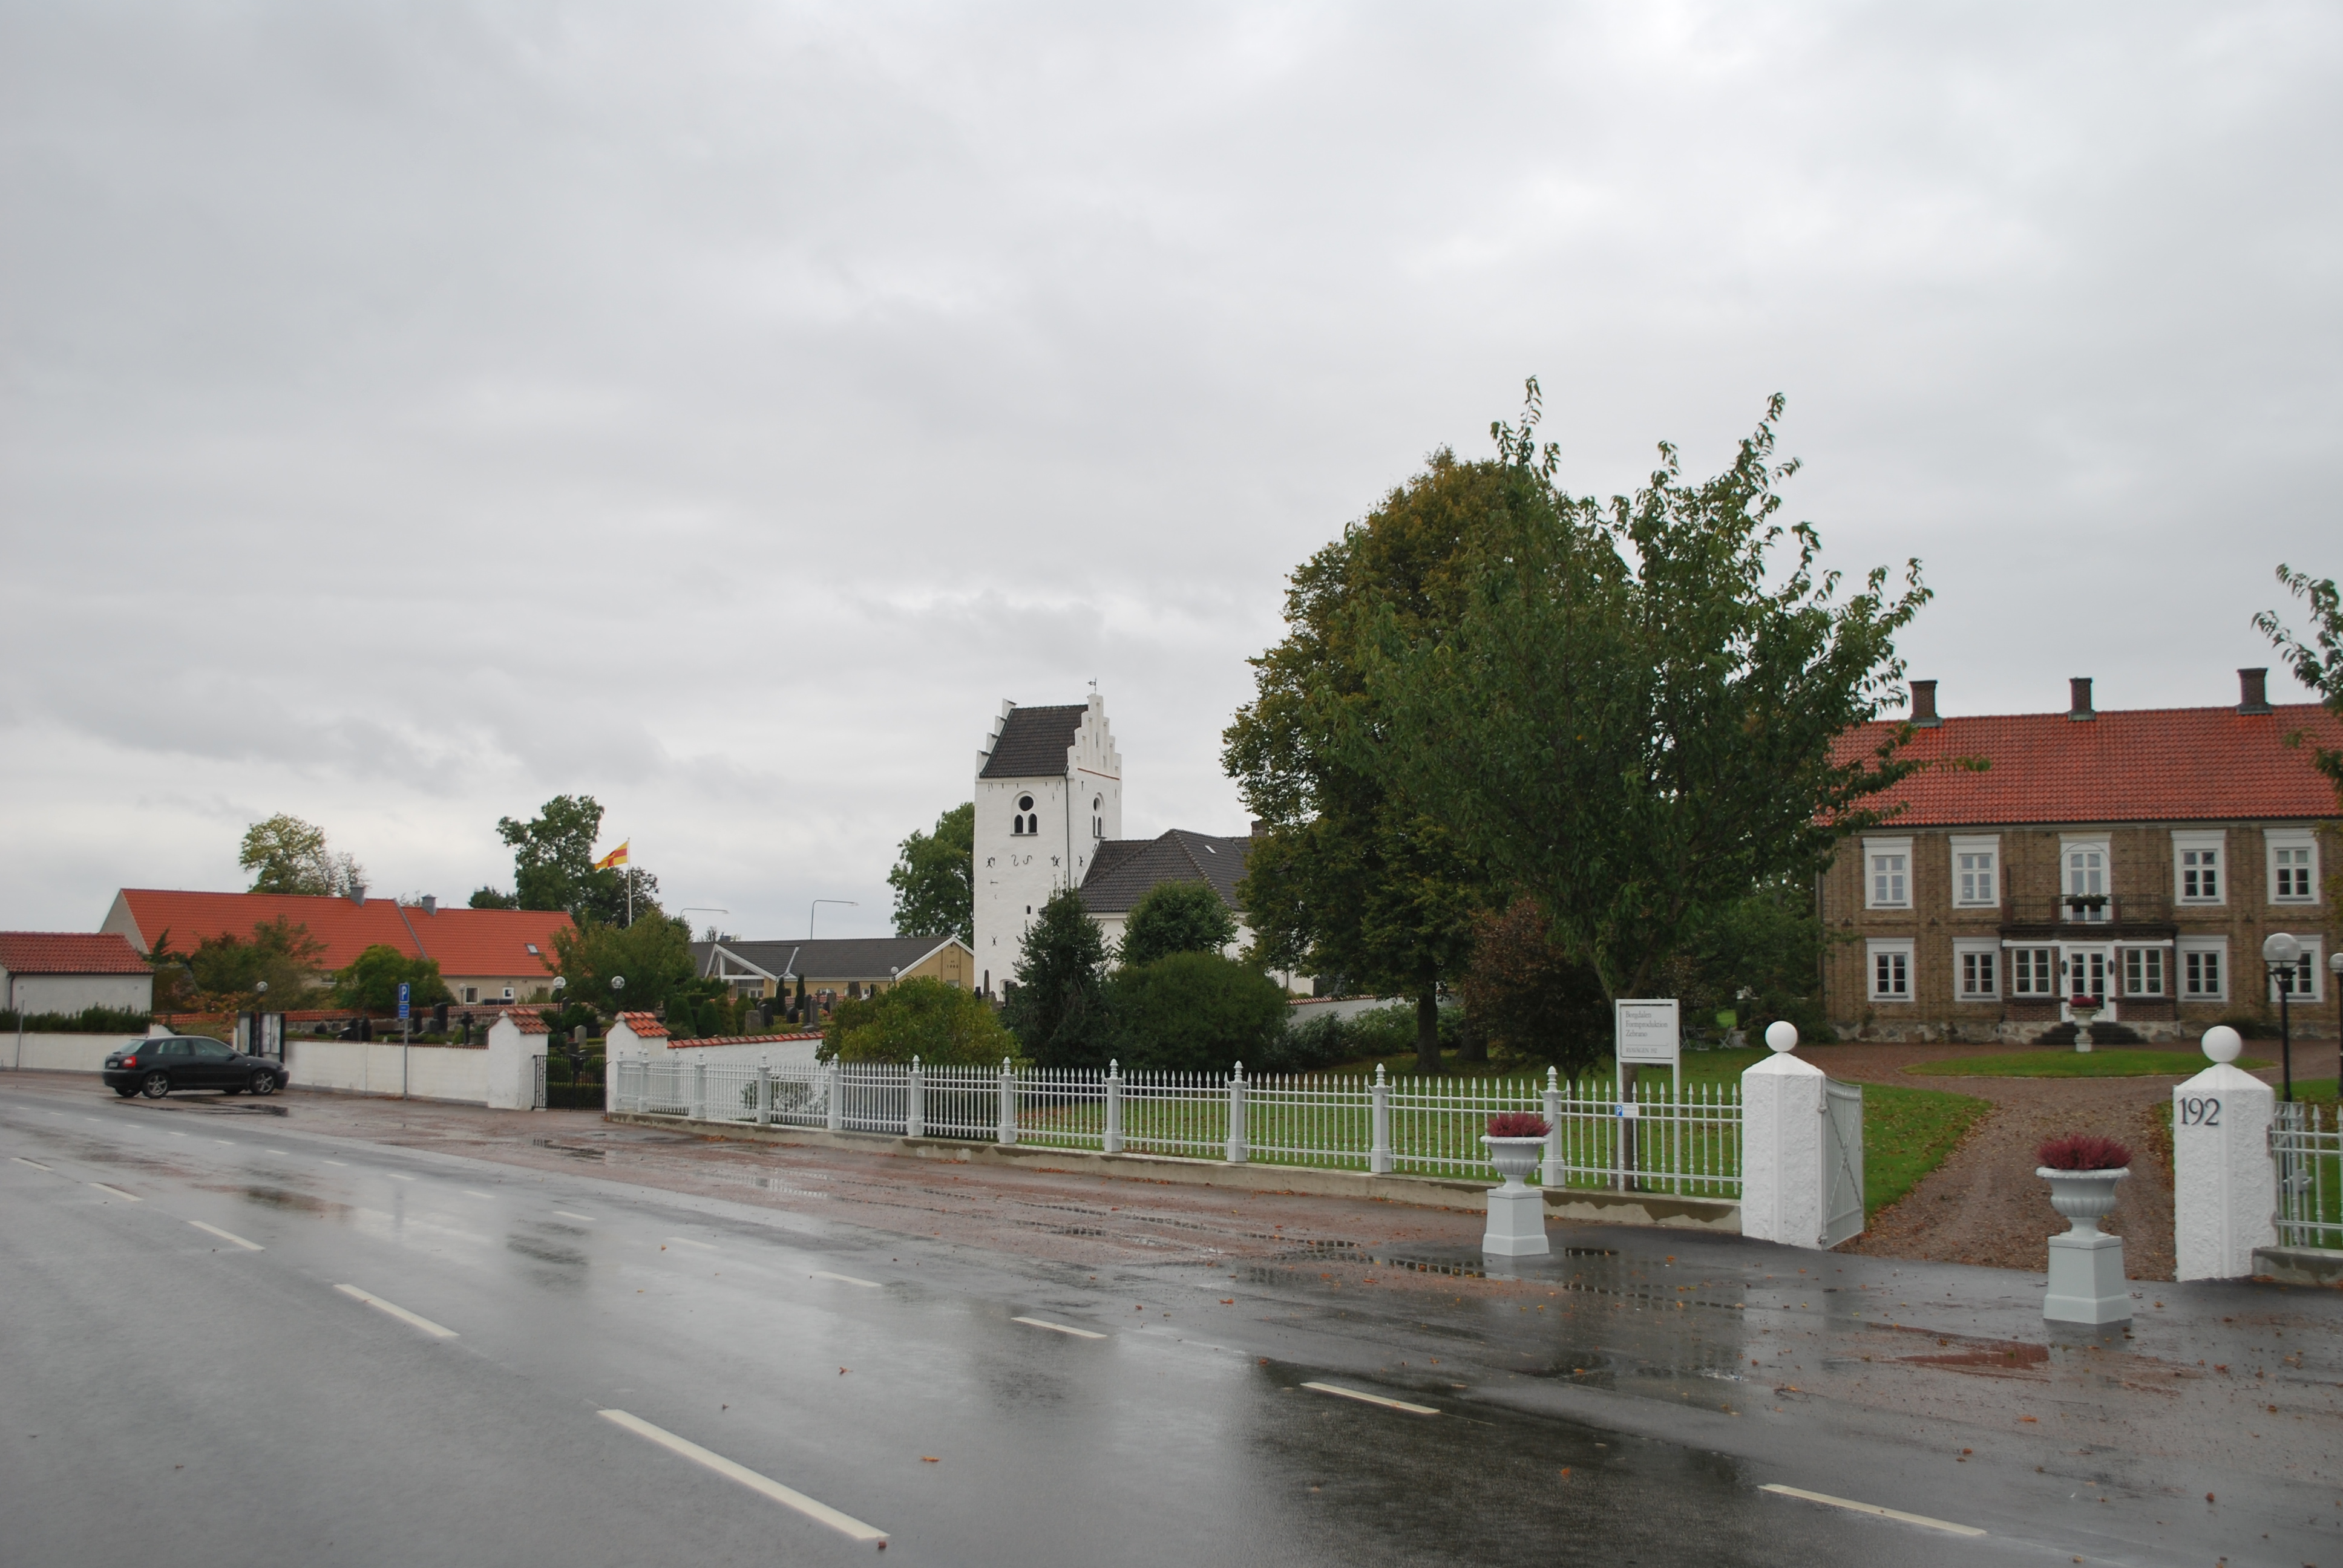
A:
1034,742
828,959
68,953
1126,870
2142,765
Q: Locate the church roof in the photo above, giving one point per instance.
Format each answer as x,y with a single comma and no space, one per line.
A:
827,959
1033,742
1125,871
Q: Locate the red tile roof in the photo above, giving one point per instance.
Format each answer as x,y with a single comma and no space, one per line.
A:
68,953
466,941
2143,765
646,1024
529,1023
738,1040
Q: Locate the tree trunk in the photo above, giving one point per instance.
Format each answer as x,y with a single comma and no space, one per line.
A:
1427,1028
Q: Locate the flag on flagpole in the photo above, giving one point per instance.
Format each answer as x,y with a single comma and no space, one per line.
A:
617,857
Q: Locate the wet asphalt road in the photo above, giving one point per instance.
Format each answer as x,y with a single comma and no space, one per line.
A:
202,1363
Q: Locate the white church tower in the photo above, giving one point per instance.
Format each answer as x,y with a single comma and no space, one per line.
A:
1048,788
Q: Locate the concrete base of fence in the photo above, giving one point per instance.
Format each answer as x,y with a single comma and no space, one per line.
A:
2086,1280
2299,1265
1576,1203
1517,1223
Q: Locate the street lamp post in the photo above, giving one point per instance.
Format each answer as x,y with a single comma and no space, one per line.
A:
259,1004
2281,952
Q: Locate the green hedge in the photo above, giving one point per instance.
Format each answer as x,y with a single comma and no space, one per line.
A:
89,1021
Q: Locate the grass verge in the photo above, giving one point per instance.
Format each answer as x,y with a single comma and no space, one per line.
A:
2073,1064
1906,1133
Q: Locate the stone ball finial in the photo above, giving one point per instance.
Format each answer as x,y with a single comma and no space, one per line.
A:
1782,1035
2222,1043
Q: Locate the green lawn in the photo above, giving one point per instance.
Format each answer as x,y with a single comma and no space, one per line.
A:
2064,1063
1906,1133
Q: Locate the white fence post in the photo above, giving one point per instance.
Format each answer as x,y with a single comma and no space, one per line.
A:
915,1104
2224,1179
1008,1134
837,1096
1379,1156
764,1094
1236,1145
1784,1152
1552,1176
1112,1144
700,1091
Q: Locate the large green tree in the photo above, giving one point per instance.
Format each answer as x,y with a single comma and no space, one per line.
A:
940,1024
371,981
1057,1007
287,855
1351,881
934,879
1175,917
653,956
228,970
1638,713
553,867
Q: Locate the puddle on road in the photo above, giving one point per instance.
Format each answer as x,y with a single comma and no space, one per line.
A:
280,1197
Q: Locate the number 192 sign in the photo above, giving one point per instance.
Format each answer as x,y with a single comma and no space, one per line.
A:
2200,1110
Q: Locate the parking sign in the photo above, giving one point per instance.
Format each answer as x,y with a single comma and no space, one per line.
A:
402,1002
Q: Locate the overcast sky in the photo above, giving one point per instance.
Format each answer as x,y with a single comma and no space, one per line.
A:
409,412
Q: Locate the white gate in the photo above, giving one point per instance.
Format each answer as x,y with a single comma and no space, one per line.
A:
2307,1142
1843,1150
536,1095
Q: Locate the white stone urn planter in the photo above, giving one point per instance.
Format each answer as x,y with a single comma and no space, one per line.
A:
2086,1271
1516,1226
2082,1012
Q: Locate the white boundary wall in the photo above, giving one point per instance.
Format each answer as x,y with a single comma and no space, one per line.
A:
455,1073
63,1052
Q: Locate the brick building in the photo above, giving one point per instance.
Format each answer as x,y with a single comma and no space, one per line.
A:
2139,858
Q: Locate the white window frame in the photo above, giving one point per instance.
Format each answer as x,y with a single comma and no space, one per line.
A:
1989,846
2056,973
2277,839
2067,845
1872,874
2142,956
2313,963
1890,947
1964,950
2187,947
2183,845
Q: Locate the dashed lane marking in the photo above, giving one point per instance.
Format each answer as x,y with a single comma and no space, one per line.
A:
117,1192
1339,1391
688,1242
467,1192
1060,1328
567,1215
396,1310
33,1163
1870,1508
397,1177
228,1236
844,1523
844,1279
343,1163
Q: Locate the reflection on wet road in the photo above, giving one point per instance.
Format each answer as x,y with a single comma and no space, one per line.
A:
354,1349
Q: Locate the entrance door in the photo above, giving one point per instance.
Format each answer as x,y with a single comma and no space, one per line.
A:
2087,972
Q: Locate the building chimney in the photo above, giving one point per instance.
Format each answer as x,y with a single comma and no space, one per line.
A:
2079,697
2252,691
357,893
1259,827
1924,705
431,904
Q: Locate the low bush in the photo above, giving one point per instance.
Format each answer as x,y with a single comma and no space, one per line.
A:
1196,1012
942,1025
89,1021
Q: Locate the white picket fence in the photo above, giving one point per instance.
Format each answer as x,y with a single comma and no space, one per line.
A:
1657,1139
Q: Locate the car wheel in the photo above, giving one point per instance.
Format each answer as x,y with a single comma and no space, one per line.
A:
263,1083
125,1090
155,1084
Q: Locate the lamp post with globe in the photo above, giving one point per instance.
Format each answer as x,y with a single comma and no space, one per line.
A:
259,1003
2281,959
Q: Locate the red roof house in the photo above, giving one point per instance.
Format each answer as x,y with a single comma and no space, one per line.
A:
70,971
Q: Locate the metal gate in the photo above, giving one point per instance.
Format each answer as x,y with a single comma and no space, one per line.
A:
537,1075
2307,1142
1843,1151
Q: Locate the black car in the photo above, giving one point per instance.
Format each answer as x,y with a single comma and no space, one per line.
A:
154,1067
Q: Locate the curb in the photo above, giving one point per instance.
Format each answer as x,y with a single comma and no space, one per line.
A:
1580,1204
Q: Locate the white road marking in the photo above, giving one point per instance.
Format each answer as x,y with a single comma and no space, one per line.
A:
401,1313
228,1236
177,1135
688,1242
467,1192
223,1143
397,1177
280,1153
1340,1393
117,1192
1060,1328
844,1279
33,1163
343,1163
1871,1508
844,1523
567,1215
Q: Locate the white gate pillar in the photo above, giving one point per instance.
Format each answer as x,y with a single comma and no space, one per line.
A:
1784,1146
2223,1181
915,1103
1112,1143
837,1095
1235,1148
1378,1156
1008,1133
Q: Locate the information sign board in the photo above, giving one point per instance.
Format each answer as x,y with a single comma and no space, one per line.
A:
402,1001
1649,1033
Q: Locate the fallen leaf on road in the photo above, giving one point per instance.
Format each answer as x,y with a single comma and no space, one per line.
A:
929,1459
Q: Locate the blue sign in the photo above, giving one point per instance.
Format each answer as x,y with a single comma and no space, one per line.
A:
402,999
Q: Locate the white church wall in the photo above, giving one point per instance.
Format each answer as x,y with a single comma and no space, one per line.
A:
1072,811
